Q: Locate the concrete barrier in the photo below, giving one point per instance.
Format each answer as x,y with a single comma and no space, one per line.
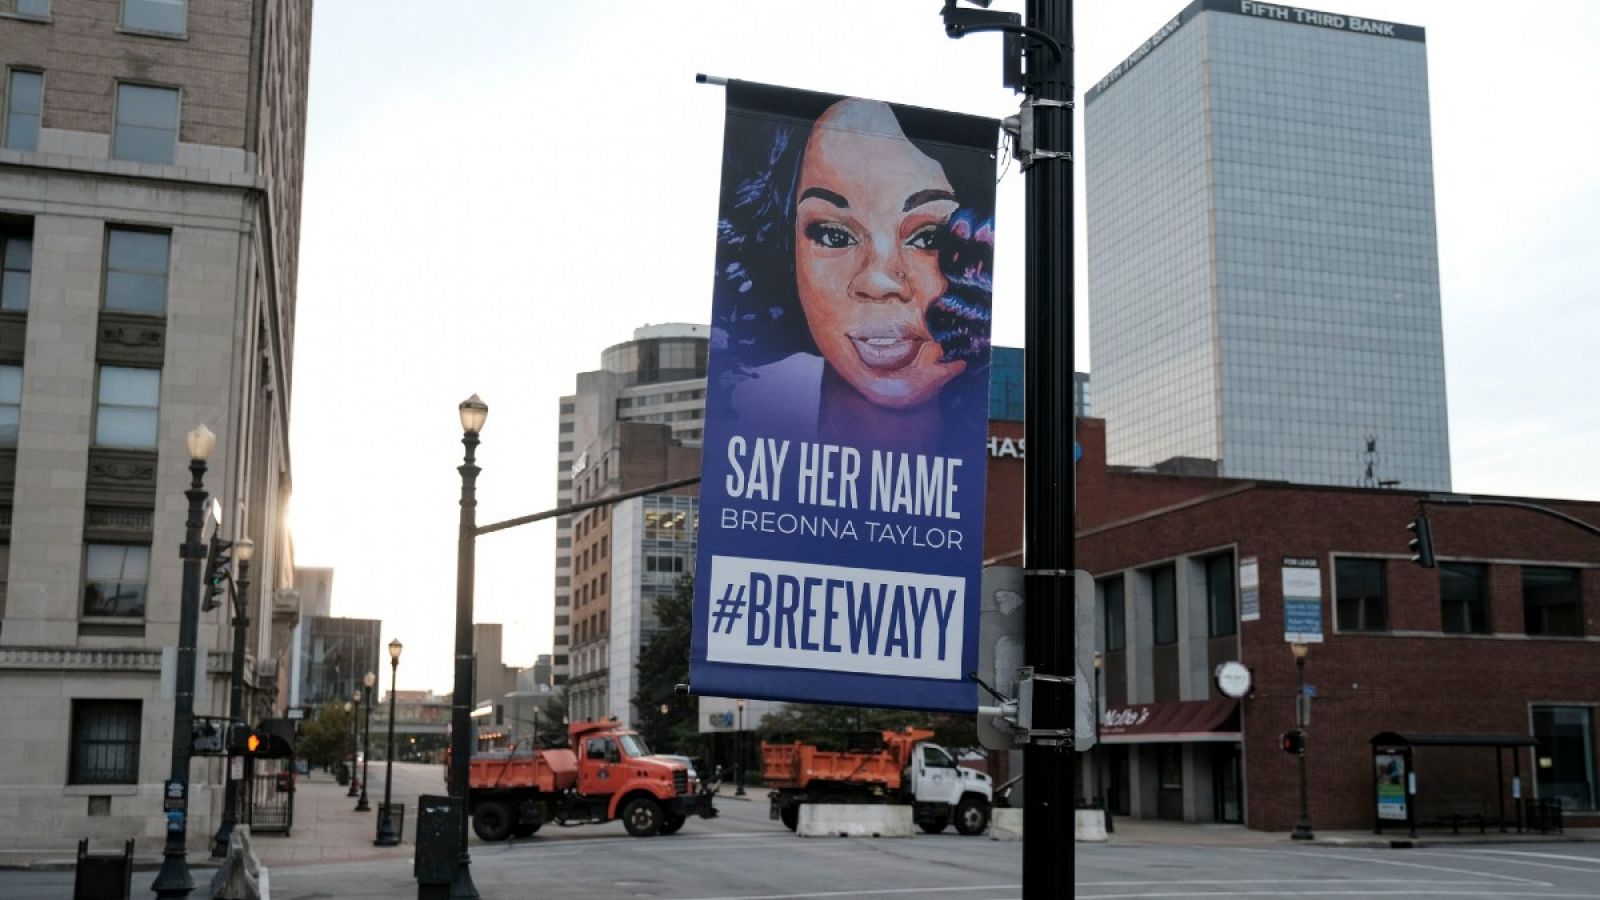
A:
241,876
1091,826
1005,824
854,820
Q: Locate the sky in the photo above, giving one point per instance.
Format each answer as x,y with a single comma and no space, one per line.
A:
498,190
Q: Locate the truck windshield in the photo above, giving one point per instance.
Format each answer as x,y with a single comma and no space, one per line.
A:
633,745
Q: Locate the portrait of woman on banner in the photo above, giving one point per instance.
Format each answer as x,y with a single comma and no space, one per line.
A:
854,264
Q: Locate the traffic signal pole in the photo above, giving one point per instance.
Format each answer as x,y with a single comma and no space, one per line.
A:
1043,141
1048,488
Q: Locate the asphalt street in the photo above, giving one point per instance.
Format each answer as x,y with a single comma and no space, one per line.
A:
743,855
1525,870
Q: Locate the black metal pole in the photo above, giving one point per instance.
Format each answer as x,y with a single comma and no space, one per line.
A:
355,742
230,794
738,754
366,751
386,833
174,879
1049,491
461,698
1302,828
1101,799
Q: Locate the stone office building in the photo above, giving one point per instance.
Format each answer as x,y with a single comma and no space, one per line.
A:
150,171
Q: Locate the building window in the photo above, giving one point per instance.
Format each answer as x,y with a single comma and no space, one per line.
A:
159,16
136,270
1219,595
1552,605
147,124
16,264
24,107
1464,596
1111,593
115,577
30,9
1566,754
10,404
1164,604
105,742
129,401
1360,600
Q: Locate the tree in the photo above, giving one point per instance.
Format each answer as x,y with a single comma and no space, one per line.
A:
325,739
663,665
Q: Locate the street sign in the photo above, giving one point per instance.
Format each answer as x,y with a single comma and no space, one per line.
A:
1302,601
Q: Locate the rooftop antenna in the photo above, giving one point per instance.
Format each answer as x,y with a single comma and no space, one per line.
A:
1369,477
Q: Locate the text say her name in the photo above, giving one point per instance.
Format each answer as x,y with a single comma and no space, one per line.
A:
830,475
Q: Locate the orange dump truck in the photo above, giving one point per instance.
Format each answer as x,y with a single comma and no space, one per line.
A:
606,772
907,768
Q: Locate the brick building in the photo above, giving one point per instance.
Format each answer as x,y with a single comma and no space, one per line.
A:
1502,639
632,423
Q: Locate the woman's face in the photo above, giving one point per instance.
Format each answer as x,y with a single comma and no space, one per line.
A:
871,207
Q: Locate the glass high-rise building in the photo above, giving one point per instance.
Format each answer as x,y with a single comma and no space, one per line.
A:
1263,260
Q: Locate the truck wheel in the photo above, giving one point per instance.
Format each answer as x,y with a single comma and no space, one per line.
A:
642,817
491,821
524,830
972,815
790,816
934,827
671,824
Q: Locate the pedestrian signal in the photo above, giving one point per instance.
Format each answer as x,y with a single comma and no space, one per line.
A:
1293,742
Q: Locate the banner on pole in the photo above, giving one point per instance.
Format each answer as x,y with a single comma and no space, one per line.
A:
841,508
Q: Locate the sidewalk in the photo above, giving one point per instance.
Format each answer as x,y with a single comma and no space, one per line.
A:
1147,831
327,829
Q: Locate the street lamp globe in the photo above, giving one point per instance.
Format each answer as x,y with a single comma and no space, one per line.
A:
369,679
244,550
201,442
473,413
394,650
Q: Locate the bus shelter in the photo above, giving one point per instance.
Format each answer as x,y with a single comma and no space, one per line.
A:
1449,802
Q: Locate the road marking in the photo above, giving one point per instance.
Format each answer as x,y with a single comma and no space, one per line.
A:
1321,881
1454,893
1529,862
1391,862
867,892
1593,861
1487,892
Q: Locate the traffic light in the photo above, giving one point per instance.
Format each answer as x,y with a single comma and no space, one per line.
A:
1293,742
218,560
1421,541
244,740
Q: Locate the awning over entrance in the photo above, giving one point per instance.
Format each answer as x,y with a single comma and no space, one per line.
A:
1172,722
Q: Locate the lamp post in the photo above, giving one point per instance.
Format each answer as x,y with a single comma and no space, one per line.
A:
367,682
1302,828
355,741
244,550
473,413
387,837
738,753
1099,746
174,879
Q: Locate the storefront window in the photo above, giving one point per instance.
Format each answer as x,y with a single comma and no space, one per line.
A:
1566,761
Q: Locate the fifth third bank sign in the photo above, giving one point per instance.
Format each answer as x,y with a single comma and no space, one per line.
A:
841,505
